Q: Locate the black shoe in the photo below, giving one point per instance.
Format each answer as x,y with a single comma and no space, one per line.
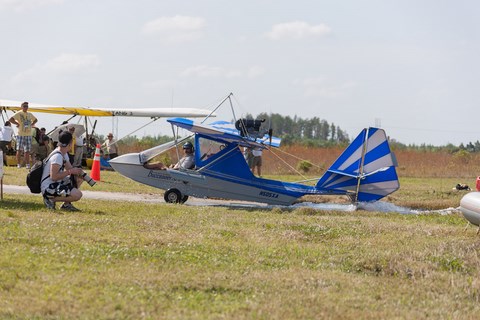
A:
68,207
49,203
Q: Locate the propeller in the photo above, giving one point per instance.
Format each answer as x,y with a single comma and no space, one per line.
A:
270,130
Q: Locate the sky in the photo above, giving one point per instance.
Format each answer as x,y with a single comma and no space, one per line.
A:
411,67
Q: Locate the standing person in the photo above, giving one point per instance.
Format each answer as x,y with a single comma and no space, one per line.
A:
111,145
257,161
24,121
43,142
43,132
71,152
77,160
60,181
6,134
247,154
35,144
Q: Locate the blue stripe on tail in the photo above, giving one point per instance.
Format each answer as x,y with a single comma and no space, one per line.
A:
374,179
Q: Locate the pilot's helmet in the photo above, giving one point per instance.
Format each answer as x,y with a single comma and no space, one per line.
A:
188,145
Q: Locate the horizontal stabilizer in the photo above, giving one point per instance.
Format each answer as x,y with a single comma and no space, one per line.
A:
366,168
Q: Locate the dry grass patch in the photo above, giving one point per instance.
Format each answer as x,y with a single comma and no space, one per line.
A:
134,260
121,260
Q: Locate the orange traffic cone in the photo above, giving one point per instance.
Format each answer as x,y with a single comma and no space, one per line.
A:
95,173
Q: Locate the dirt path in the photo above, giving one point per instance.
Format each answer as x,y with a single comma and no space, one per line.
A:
192,201
139,197
101,195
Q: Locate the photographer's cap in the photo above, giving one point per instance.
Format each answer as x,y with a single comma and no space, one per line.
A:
64,138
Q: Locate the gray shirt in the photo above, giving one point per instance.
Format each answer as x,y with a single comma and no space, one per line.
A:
187,162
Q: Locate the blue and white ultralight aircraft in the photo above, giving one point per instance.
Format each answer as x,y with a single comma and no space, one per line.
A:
365,171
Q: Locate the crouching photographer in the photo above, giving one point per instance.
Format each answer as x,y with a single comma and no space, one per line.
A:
60,180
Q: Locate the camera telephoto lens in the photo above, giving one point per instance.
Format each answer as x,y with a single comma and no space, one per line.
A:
88,179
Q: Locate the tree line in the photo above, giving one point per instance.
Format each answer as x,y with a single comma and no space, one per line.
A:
313,132
470,147
296,130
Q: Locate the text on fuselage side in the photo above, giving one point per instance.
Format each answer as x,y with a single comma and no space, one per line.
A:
158,175
122,113
268,194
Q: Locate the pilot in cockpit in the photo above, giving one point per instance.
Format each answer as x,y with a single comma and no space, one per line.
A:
188,160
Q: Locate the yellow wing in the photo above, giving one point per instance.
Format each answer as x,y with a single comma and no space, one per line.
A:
35,107
108,112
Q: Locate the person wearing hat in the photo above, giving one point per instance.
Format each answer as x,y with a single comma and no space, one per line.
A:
111,146
60,180
188,160
24,121
104,164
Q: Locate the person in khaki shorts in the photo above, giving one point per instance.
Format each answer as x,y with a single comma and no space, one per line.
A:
35,144
43,144
24,121
256,161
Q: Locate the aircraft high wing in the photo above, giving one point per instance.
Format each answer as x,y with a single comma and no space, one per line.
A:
226,131
107,112
153,113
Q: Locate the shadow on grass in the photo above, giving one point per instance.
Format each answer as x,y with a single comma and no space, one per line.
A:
232,207
19,204
34,206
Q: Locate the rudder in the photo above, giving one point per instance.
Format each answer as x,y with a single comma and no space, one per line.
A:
366,169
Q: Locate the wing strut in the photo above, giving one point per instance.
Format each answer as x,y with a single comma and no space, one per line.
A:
219,105
128,134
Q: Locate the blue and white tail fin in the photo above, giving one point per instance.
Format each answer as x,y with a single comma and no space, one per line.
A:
365,170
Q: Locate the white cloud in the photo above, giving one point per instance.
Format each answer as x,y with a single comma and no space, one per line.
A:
65,63
175,29
297,30
203,71
320,87
24,5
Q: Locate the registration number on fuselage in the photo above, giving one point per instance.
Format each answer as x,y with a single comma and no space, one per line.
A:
268,194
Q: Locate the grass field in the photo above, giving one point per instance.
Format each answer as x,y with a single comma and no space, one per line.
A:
123,260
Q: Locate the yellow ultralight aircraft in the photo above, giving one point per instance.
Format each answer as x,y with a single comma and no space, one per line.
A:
73,111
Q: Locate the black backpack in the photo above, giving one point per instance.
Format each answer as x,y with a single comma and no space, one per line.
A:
34,177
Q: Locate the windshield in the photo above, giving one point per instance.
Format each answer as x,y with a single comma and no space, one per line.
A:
209,148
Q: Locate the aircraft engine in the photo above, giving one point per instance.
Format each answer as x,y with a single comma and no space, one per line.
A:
249,127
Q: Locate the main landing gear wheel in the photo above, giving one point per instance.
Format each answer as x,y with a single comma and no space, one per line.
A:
174,196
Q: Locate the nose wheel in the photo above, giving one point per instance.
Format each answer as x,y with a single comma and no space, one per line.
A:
174,196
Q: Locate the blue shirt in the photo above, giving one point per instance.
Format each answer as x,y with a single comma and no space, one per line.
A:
104,163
